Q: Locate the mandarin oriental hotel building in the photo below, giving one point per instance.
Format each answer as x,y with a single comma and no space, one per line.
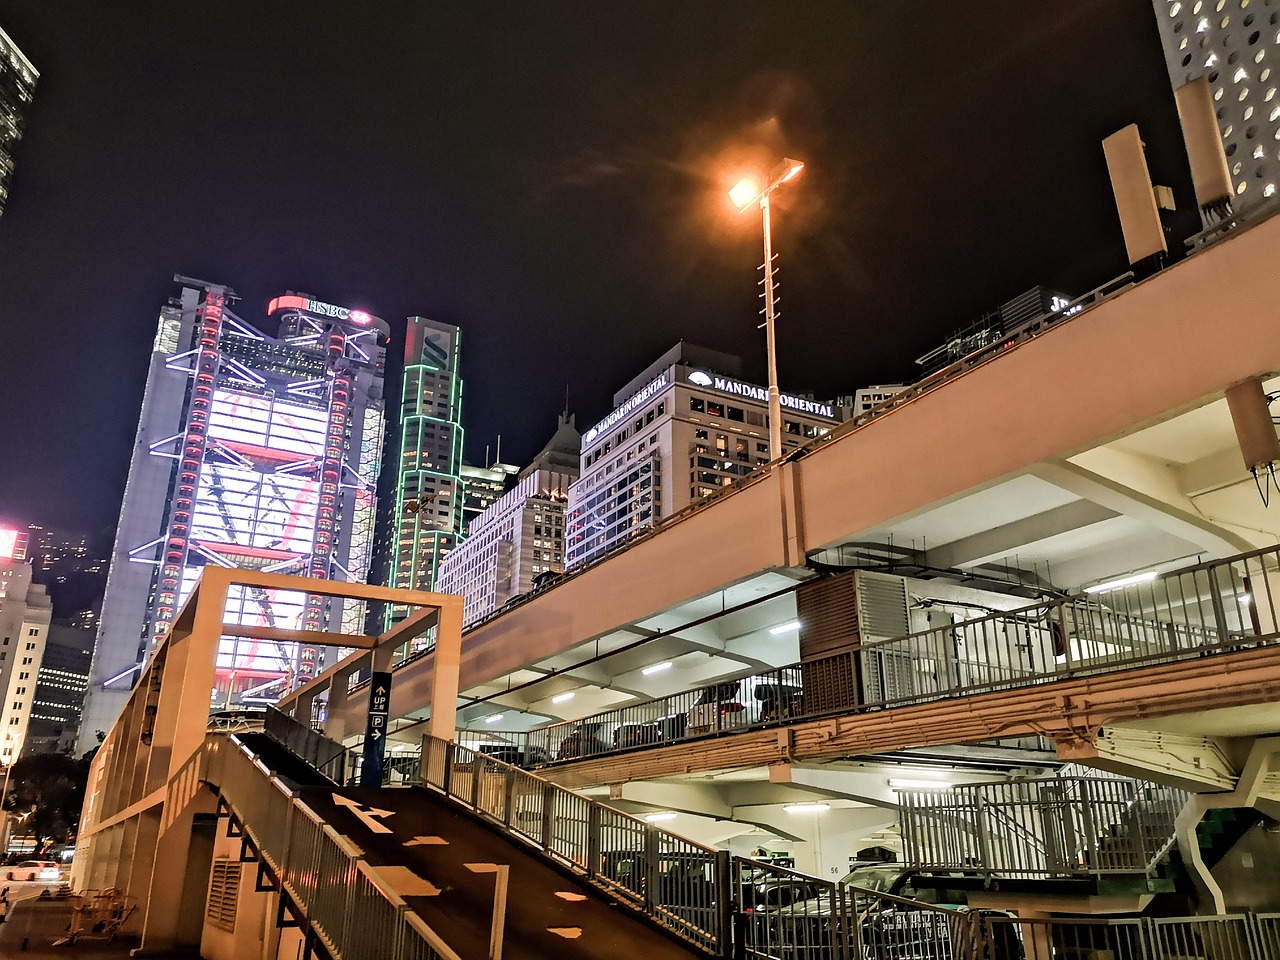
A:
684,427
251,451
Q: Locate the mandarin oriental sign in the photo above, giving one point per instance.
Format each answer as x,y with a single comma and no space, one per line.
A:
761,394
636,400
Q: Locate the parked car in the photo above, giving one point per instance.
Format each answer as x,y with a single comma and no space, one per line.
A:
45,870
583,741
887,929
717,708
516,756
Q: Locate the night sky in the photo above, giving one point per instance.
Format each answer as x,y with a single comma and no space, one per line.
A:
549,177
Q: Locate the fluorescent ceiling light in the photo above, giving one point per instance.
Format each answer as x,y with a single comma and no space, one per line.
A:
1122,582
784,627
921,784
493,719
659,817
656,668
562,697
806,807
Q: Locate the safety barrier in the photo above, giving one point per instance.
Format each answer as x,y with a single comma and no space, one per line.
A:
339,764
1051,827
1185,614
672,880
341,895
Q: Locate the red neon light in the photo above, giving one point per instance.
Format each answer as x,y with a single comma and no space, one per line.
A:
287,303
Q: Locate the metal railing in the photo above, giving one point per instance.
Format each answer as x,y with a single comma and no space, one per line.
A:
1230,937
1181,615
344,899
334,761
742,907
1051,827
672,880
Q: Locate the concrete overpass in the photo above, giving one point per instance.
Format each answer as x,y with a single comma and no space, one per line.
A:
1097,447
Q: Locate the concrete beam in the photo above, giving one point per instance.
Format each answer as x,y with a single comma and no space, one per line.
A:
1195,764
1001,541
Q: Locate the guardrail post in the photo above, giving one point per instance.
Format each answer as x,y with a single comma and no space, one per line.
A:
984,839
650,868
593,839
508,797
726,906
1215,597
477,769
446,774
548,814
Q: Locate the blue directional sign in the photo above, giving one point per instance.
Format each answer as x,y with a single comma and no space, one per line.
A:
375,733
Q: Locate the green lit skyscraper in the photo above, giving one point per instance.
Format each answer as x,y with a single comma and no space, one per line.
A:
427,515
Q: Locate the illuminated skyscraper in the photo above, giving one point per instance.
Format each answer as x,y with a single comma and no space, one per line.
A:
17,87
428,510
251,451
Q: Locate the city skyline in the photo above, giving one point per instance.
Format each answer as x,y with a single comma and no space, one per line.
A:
580,233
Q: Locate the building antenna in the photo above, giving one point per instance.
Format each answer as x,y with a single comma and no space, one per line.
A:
566,399
498,457
487,462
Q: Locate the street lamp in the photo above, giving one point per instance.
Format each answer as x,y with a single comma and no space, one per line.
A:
746,193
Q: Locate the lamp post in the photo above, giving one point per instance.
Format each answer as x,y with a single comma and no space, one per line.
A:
744,195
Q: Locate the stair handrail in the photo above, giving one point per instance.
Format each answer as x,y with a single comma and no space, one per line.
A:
278,823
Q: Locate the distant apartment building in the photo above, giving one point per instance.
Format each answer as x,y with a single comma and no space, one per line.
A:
251,451
60,690
17,89
25,615
1035,304
521,536
483,487
685,427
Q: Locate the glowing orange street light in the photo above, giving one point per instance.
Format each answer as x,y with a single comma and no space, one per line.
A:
744,194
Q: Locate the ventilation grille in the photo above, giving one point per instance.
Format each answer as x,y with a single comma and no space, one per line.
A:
882,607
224,891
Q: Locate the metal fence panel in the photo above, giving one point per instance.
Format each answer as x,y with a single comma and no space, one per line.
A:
1200,610
1220,938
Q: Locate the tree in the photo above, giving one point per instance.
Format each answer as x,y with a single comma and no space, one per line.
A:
46,792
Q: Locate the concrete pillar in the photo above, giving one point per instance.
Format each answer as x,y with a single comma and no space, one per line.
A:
446,667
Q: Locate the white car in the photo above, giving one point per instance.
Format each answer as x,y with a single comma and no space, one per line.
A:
45,870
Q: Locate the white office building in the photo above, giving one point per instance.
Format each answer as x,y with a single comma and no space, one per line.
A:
520,537
686,426
25,612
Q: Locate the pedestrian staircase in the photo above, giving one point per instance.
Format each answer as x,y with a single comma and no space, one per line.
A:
1103,836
